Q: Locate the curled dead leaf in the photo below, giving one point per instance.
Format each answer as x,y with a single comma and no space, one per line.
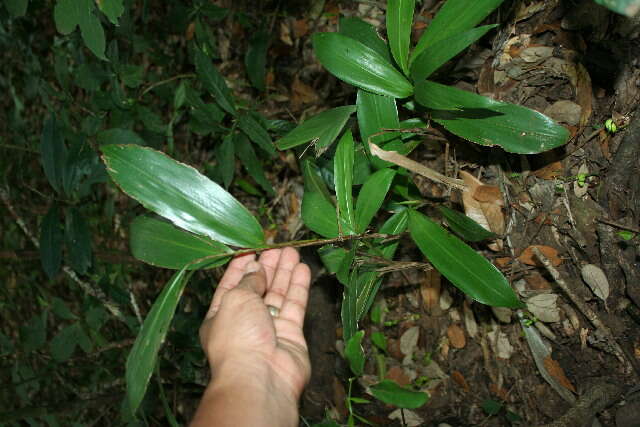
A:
456,336
528,257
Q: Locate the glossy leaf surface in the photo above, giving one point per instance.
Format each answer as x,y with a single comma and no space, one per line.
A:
464,226
51,240
256,133
456,16
144,354
375,113
461,265
354,353
321,129
371,196
487,122
319,214
393,394
161,244
399,23
312,180
214,82
359,65
182,195
366,34
343,179
436,55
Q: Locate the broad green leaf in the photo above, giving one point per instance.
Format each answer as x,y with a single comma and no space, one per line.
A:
16,8
366,34
379,340
399,22
60,309
456,16
214,82
359,65
393,394
132,75
119,136
332,257
250,161
144,354
65,342
161,244
312,180
375,113
91,29
343,179
319,214
256,133
51,240
345,266
67,14
33,334
113,9
461,265
354,353
348,311
321,129
371,196
436,55
53,152
182,195
255,59
487,122
464,226
78,241
225,156
629,8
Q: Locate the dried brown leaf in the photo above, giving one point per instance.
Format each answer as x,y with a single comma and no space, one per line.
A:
556,371
456,336
459,379
528,257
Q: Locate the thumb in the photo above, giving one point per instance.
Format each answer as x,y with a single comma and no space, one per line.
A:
254,279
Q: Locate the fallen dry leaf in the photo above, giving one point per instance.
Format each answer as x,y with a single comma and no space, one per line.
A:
459,379
300,28
528,257
407,417
550,171
483,203
584,93
409,340
564,111
556,371
456,336
430,289
596,279
397,374
469,320
501,392
544,307
537,282
503,314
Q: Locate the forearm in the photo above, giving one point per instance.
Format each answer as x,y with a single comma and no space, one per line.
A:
238,399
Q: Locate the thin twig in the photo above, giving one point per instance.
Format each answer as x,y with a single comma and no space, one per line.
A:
163,82
615,224
87,287
586,311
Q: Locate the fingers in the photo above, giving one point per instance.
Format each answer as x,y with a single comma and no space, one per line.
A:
295,302
230,279
279,287
269,260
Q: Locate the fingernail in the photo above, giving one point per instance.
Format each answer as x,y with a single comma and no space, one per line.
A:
252,267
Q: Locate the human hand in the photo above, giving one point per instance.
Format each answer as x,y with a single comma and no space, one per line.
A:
239,335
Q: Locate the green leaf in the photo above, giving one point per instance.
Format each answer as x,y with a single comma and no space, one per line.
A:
379,340
343,179
144,354
487,122
65,342
332,257
16,8
359,65
464,226
250,161
51,239
161,244
629,8
225,156
391,393
354,353
436,55
78,240
491,407
33,334
348,311
182,195
366,34
456,16
67,14
322,129
319,214
375,113
60,309
91,29
371,196
213,81
255,59
53,152
312,180
119,136
345,266
461,265
399,22
132,75
113,9
256,133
